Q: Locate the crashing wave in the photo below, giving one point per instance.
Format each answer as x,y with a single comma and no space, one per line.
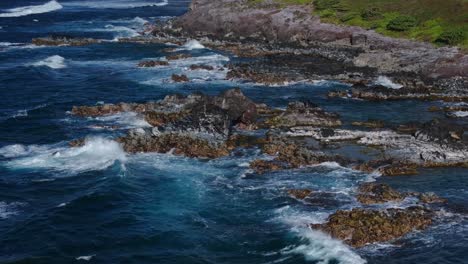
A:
323,249
96,154
31,10
53,62
385,81
193,44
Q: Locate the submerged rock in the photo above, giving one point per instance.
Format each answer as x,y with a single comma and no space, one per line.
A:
262,166
300,194
152,63
369,123
178,56
359,227
179,78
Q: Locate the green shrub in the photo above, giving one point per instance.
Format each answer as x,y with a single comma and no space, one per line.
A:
326,4
401,23
371,14
347,17
327,13
452,36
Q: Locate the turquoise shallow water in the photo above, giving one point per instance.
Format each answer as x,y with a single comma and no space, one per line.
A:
98,204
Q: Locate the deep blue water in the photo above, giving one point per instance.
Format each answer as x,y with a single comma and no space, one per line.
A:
98,204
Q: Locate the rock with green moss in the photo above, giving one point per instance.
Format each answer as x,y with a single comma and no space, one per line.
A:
360,227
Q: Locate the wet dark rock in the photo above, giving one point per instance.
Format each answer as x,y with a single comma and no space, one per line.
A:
179,78
359,227
64,40
195,67
152,63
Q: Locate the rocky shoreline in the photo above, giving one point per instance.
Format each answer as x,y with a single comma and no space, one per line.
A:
290,45
202,126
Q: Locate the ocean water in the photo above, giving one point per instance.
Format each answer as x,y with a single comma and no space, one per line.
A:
97,204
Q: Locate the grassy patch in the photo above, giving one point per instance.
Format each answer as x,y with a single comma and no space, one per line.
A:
442,22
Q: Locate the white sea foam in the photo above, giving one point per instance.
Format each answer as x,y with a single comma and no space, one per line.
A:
323,249
125,119
139,20
193,44
30,10
9,209
53,62
25,112
460,113
115,4
97,154
182,66
385,81
85,258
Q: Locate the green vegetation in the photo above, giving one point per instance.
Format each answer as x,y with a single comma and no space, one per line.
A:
402,23
442,22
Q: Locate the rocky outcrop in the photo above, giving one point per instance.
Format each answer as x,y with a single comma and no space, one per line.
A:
141,140
419,91
434,144
195,126
303,114
359,227
64,41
